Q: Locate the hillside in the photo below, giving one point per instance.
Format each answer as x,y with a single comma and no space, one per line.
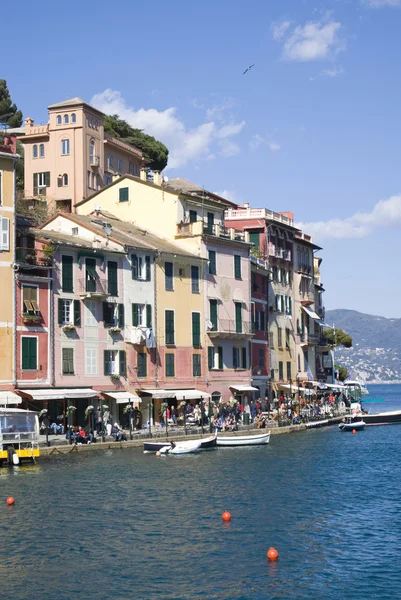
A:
376,353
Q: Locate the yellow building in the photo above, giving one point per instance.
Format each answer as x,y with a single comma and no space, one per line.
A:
8,158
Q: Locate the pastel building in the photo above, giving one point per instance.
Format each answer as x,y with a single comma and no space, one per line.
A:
71,157
260,355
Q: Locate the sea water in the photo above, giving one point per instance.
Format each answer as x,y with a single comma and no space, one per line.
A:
119,524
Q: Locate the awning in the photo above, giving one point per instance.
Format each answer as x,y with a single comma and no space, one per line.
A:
8,398
159,393
311,313
123,397
60,394
243,388
190,394
336,386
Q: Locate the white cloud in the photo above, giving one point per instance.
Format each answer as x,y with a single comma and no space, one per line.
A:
274,146
312,41
258,140
381,3
333,72
386,213
184,144
218,111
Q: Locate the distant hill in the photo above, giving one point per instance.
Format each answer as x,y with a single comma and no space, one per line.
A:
376,352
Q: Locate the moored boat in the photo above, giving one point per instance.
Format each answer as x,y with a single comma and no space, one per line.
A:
315,424
205,444
349,425
383,418
244,440
181,447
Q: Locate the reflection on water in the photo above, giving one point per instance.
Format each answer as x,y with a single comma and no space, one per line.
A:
122,524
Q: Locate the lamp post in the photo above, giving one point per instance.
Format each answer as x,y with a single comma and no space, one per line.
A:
69,422
150,416
131,412
102,421
202,414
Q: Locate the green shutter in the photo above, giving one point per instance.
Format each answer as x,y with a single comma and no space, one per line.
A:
148,315
254,239
77,313
135,315
237,266
170,365
169,276
29,353
289,305
35,184
123,363
169,327
210,357
262,320
147,265
106,362
67,273
121,316
108,314
220,349
235,356
112,276
25,353
47,179
141,364
60,311
123,196
134,266
196,365
213,314
212,262
196,329
244,366
195,288
238,317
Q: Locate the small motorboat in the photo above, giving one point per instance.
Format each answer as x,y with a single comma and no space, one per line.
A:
244,440
384,418
205,444
314,424
181,447
348,425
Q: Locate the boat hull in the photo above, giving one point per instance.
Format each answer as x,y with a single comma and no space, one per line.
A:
205,444
244,440
353,426
181,448
384,418
315,424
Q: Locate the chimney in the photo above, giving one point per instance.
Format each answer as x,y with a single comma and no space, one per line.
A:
28,122
246,204
157,178
143,174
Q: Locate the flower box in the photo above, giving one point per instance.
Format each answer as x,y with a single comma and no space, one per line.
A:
68,327
114,330
31,319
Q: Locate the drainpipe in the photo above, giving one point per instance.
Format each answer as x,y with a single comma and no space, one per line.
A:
15,271
157,254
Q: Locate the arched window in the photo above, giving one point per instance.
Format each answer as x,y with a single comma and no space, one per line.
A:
65,179
35,151
59,120
66,119
42,150
92,152
65,147
73,118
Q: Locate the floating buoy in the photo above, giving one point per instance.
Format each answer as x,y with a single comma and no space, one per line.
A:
226,516
272,554
354,431
10,500
158,454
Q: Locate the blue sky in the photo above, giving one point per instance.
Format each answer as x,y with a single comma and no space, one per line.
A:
314,127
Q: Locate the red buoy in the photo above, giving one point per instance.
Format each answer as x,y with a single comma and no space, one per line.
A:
10,500
354,431
272,554
226,516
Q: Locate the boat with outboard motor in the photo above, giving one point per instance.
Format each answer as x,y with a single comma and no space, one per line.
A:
205,444
349,425
244,440
180,448
392,417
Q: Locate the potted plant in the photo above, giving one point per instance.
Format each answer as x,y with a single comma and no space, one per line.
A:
68,327
115,377
29,318
114,329
48,251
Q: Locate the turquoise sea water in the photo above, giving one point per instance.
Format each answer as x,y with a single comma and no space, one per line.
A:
121,524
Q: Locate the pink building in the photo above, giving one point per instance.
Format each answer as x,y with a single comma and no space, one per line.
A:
71,157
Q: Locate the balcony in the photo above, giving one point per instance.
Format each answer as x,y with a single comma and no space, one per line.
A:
305,269
227,328
89,287
34,257
202,228
278,252
94,161
258,213
307,298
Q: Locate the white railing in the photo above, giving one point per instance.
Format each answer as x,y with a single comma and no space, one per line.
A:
257,213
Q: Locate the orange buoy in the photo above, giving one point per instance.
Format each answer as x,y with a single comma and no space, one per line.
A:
10,500
226,516
354,431
272,554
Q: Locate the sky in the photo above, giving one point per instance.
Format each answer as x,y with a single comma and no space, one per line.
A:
313,127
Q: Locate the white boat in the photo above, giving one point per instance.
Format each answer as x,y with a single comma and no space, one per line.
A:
181,447
356,388
348,425
312,424
244,440
205,444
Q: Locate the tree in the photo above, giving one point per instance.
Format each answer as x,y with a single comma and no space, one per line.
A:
19,167
154,150
342,372
337,337
14,116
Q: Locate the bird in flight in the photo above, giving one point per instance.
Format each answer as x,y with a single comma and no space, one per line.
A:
248,69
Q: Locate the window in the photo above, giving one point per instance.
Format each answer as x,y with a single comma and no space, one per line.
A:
112,278
69,312
275,274
272,374
113,315
73,118
169,327
68,361
306,360
210,223
213,314
140,267
168,277
40,182
110,162
262,320
65,147
92,152
299,362
119,165
90,275
29,353
271,339
212,262
193,216
123,194
215,357
59,120
196,365
288,371
4,233
35,151
111,366
141,364
30,300
170,366
93,181
237,266
141,315
244,361
195,280
236,358
196,330
254,239
280,337
261,358
66,120
107,180
238,317
89,175
280,371
90,361
67,274
287,339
